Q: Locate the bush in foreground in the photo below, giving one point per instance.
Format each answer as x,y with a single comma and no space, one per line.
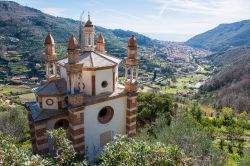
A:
126,151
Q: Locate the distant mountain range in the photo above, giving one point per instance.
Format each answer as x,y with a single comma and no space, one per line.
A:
235,34
24,29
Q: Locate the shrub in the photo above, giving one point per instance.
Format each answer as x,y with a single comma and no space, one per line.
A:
125,151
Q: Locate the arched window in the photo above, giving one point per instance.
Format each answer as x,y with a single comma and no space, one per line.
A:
89,40
62,123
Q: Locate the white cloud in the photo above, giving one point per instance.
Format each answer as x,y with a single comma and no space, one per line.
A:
197,16
205,7
54,11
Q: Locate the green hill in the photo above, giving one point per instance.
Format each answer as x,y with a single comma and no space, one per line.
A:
234,34
24,29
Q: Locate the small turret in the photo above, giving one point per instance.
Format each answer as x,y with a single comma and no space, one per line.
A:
73,50
100,46
50,57
131,66
132,48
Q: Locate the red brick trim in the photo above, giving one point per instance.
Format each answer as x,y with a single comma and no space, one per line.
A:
130,120
43,141
80,148
77,141
43,151
40,132
129,128
76,132
131,113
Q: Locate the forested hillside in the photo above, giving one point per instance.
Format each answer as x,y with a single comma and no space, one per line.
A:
232,83
234,34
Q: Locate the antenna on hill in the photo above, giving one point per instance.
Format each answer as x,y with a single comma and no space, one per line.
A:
82,17
81,30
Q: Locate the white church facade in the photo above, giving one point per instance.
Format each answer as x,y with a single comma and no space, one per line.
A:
82,94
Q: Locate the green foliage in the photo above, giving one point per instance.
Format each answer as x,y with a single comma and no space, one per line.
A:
196,111
185,133
12,154
150,105
125,151
13,121
62,147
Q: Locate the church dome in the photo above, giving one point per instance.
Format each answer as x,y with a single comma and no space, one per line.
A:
73,44
132,41
49,39
100,39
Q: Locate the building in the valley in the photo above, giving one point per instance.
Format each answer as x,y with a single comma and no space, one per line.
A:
84,96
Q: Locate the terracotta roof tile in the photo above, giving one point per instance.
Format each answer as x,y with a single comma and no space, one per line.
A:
49,39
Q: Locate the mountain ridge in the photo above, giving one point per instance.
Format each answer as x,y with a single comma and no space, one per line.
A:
224,35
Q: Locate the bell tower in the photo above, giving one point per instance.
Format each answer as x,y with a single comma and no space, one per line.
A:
89,33
50,58
131,86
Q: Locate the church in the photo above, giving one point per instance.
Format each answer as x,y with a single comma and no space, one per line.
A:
82,94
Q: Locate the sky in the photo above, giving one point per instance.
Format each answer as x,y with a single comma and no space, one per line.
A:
172,20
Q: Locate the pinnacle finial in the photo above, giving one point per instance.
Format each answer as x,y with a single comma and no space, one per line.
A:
49,39
88,15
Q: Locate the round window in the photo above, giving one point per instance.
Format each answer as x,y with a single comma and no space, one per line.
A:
105,114
49,102
104,84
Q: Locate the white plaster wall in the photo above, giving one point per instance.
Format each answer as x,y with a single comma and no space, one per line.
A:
93,128
53,106
104,75
63,72
87,80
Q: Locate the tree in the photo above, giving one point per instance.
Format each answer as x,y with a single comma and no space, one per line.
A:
185,133
228,115
243,116
222,144
196,111
151,105
13,122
